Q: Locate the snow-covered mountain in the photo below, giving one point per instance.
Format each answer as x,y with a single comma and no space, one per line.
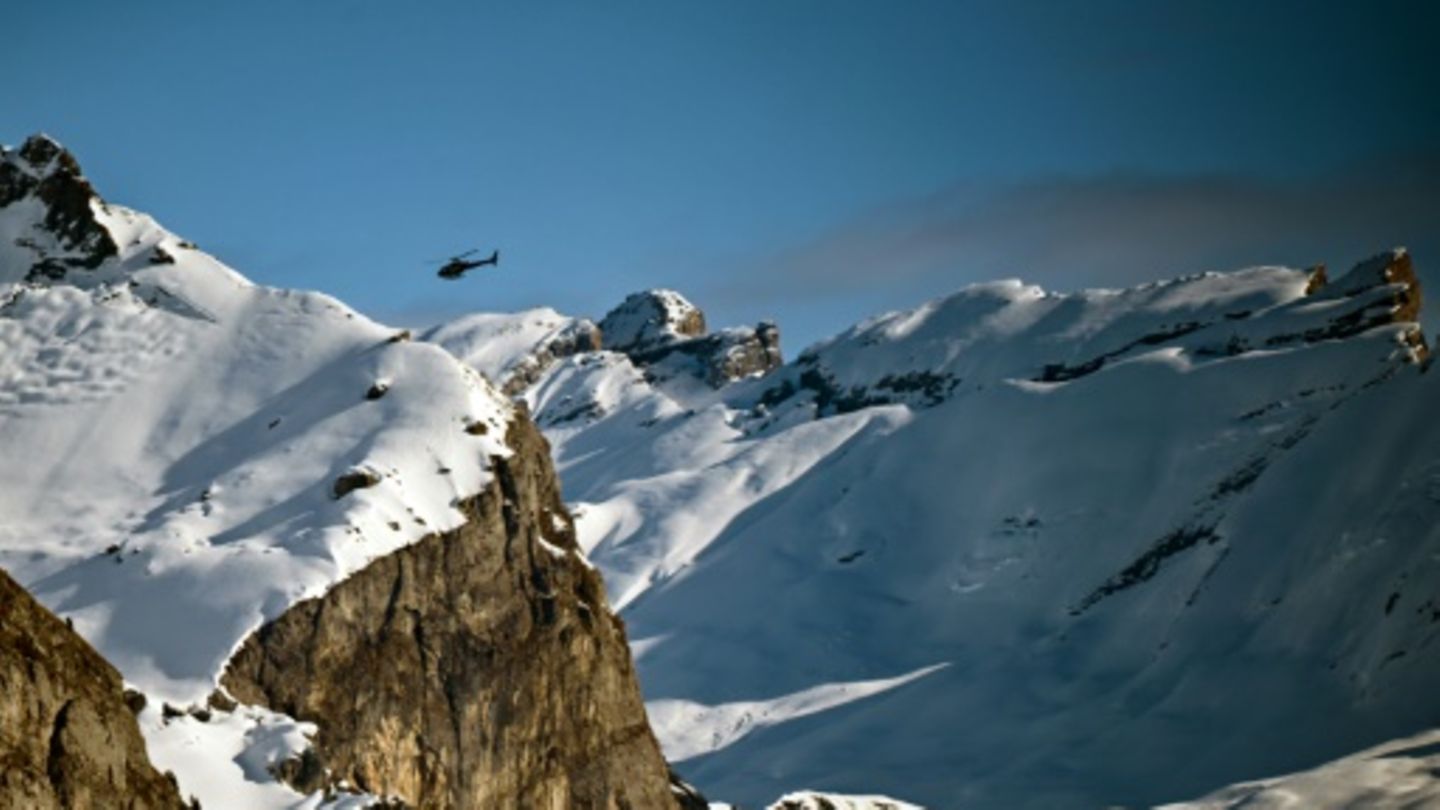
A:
1016,548
193,464
1009,549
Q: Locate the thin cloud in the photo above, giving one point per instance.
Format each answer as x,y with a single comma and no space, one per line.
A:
1116,230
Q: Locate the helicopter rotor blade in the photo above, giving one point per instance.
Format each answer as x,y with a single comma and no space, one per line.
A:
452,258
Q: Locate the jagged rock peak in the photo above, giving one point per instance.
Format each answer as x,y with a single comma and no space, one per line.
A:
650,319
67,233
662,332
38,159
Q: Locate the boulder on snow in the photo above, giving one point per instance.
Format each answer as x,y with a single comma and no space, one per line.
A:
353,479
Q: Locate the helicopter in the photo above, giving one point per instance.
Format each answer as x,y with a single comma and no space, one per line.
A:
457,266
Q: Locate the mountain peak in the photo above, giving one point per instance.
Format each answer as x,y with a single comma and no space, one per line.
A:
44,154
650,319
48,210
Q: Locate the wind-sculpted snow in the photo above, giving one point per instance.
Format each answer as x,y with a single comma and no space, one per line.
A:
1163,539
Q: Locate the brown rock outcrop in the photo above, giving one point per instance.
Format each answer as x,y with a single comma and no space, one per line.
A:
1392,269
477,668
581,336
717,359
650,319
67,738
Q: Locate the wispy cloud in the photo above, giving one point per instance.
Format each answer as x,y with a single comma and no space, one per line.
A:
1116,229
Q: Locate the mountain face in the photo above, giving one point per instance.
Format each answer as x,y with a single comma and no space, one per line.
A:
476,668
1022,549
67,736
333,560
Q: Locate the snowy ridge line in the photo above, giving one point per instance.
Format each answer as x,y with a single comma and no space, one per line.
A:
1240,496
1398,775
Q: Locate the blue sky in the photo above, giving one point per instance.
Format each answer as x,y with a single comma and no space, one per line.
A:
813,162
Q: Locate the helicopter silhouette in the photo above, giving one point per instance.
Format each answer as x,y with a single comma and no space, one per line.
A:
457,266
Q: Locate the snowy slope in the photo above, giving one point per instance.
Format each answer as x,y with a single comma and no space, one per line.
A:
1398,775
173,436
514,348
1015,548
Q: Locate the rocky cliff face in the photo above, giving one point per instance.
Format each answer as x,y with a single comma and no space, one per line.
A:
579,337
476,668
69,237
67,738
650,319
664,334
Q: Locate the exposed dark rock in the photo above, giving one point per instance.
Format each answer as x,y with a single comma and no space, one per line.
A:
581,336
377,390
221,702
41,168
717,359
478,667
68,739
647,320
1392,271
1062,372
355,479
1148,564
919,389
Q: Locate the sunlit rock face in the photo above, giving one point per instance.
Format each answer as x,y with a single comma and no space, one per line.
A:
479,667
68,739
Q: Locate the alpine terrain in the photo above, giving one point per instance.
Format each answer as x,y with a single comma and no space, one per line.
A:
1012,548
330,564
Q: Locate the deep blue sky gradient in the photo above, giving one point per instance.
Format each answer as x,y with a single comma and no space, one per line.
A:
804,160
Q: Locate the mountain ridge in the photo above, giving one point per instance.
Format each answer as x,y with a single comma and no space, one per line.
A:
805,555
205,457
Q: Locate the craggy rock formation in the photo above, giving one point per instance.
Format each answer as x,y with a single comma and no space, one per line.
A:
717,359
67,738
72,237
663,333
1378,291
581,336
479,667
651,319
1392,270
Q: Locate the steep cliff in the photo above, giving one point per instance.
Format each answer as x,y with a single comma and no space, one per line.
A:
479,667
67,737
